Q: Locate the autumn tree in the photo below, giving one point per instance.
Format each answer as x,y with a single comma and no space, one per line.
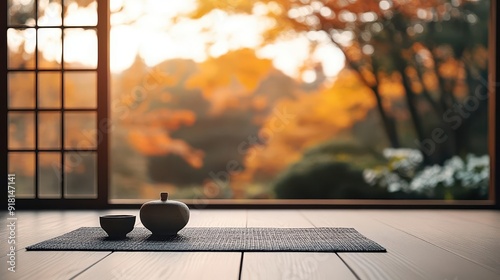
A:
434,51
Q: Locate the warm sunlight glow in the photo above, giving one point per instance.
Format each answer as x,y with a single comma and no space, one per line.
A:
52,13
288,56
122,55
18,38
331,58
49,42
80,46
76,15
155,31
152,30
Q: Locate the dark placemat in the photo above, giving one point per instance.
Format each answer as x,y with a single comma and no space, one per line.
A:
217,239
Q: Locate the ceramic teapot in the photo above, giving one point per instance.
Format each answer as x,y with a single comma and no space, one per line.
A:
164,217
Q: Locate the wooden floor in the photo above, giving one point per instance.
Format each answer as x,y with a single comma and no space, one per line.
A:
421,244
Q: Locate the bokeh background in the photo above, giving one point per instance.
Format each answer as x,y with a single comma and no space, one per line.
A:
285,99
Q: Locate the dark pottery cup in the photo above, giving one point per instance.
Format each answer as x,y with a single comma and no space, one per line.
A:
117,226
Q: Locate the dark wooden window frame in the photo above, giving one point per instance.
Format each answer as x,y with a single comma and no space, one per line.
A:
102,115
103,200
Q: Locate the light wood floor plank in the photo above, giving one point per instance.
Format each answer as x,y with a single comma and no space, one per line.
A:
50,265
166,265
282,265
294,266
408,257
477,242
486,217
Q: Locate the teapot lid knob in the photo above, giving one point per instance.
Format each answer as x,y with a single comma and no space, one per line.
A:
164,196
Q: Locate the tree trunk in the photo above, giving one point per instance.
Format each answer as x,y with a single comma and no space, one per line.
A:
410,99
387,121
440,151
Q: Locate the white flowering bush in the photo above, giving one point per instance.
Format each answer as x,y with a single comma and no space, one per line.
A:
457,178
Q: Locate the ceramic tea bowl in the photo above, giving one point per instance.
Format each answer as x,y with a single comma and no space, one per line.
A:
117,226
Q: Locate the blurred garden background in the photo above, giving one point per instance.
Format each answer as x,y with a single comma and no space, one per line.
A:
282,99
300,99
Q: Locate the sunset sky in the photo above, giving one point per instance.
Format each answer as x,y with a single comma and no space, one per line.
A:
149,28
155,36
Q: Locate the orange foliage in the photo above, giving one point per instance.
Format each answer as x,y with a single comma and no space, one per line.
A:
84,3
259,103
314,118
415,84
430,81
164,118
141,79
138,96
149,135
206,6
50,160
154,141
241,66
21,90
480,56
22,164
354,52
390,86
308,16
448,69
